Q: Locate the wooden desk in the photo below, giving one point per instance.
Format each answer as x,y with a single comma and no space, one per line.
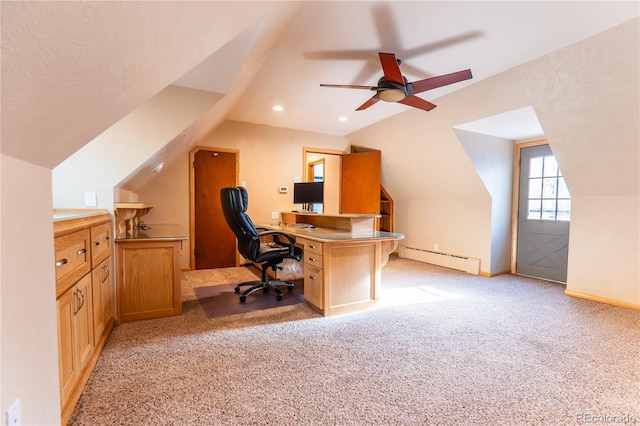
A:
341,269
343,222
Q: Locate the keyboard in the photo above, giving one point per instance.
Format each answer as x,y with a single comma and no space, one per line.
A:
301,225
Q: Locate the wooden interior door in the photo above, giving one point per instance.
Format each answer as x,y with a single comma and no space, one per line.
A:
360,188
214,244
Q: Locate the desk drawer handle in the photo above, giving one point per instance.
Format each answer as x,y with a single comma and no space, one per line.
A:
97,243
106,238
313,259
312,246
81,251
61,262
311,277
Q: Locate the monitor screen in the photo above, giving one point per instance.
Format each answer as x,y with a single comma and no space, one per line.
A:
308,192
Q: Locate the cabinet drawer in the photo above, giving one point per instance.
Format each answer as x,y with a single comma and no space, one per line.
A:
72,259
100,243
313,285
311,258
313,247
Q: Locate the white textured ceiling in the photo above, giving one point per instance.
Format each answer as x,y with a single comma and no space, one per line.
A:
72,69
338,42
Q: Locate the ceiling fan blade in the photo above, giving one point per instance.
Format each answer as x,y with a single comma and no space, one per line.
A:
391,68
367,104
417,102
349,86
442,80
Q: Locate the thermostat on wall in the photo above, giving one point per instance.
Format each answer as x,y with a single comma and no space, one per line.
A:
283,189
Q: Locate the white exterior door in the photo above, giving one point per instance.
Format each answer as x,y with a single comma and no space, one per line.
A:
544,210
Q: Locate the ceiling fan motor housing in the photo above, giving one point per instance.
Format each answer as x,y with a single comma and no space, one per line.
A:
390,91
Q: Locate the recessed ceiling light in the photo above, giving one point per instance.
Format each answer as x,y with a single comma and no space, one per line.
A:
157,169
343,118
278,108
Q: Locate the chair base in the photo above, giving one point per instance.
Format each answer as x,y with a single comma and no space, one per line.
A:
265,286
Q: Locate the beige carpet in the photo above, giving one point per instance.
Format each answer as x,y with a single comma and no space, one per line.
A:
443,348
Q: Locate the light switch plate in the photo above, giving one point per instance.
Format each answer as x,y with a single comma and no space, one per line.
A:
13,414
90,199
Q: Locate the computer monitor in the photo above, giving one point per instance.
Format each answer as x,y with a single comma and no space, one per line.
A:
307,193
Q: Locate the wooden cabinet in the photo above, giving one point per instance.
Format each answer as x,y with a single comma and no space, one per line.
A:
84,291
148,281
313,273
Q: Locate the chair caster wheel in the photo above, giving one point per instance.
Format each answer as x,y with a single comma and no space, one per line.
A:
242,299
265,290
290,288
279,297
237,289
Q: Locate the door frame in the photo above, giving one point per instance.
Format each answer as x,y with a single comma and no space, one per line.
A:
192,201
516,197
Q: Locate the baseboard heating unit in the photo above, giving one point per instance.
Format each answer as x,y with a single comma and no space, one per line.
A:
460,263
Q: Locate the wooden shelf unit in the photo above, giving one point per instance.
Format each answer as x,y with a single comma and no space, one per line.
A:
386,211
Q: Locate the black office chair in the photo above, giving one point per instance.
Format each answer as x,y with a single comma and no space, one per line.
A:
269,255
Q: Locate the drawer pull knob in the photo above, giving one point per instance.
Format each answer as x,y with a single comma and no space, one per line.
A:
62,262
311,277
313,259
106,238
81,251
97,243
312,246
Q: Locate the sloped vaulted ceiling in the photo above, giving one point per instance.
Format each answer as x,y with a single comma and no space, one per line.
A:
72,69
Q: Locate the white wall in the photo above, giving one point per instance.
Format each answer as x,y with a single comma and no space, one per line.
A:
586,97
121,149
29,356
269,157
492,158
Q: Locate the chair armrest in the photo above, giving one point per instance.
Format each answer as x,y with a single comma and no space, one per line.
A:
291,239
291,244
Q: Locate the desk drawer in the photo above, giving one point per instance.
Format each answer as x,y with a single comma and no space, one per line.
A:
313,247
100,243
313,285
311,258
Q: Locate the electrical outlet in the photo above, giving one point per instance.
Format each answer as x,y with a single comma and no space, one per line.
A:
275,215
13,413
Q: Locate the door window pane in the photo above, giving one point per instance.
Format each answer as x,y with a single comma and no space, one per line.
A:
564,210
550,166
563,191
535,167
548,197
548,209
550,185
535,188
534,209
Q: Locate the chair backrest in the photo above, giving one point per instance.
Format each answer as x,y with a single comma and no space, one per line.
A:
235,201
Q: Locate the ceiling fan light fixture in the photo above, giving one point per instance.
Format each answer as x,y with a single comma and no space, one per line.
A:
391,95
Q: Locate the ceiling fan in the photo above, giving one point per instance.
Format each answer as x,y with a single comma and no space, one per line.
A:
394,87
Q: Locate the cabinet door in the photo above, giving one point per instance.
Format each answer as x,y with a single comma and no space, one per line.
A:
83,321
102,289
360,189
66,359
148,282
